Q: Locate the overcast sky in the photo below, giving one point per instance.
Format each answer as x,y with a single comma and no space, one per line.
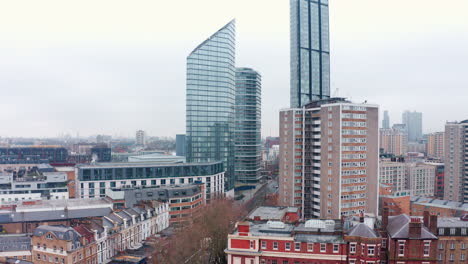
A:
112,67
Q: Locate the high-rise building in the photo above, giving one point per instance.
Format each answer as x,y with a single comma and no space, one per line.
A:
393,141
329,158
413,122
211,101
435,145
140,138
385,120
456,167
310,51
181,145
248,126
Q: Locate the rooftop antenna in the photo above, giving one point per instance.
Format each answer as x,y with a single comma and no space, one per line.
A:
335,93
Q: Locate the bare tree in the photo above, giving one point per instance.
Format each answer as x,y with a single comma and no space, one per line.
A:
205,240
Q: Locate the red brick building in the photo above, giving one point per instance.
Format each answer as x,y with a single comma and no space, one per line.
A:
408,240
275,242
364,244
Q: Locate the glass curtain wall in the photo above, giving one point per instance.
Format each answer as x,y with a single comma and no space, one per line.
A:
211,100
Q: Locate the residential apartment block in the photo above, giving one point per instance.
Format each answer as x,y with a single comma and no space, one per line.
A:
394,141
456,167
93,180
435,145
421,179
394,174
329,158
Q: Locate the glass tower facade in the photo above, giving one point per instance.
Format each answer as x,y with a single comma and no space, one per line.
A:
248,126
310,51
211,101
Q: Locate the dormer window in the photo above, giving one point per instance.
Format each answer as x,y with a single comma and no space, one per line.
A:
49,236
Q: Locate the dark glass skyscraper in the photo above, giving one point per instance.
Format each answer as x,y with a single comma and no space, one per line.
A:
248,126
310,51
211,101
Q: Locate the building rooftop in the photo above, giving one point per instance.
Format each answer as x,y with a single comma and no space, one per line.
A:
439,203
398,227
271,212
140,164
69,204
21,242
49,210
451,222
61,232
362,230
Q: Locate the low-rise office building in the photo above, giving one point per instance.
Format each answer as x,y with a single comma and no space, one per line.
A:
185,201
39,186
93,180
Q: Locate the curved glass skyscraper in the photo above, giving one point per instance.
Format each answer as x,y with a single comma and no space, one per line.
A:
310,51
211,100
248,126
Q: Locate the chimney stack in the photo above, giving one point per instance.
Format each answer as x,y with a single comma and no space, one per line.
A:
426,218
433,224
415,228
384,218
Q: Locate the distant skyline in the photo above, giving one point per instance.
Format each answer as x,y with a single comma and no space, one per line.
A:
114,66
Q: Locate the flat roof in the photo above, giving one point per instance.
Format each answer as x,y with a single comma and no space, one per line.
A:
271,212
451,222
141,164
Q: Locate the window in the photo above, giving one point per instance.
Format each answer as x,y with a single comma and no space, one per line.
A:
275,245
56,260
323,247
38,256
463,231
352,261
49,236
439,256
462,256
336,248
452,257
285,262
264,245
452,245
441,231
463,245
55,248
401,248
287,246
352,248
370,250
310,247
452,231
384,243
427,247
297,246
44,257
441,245
252,244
